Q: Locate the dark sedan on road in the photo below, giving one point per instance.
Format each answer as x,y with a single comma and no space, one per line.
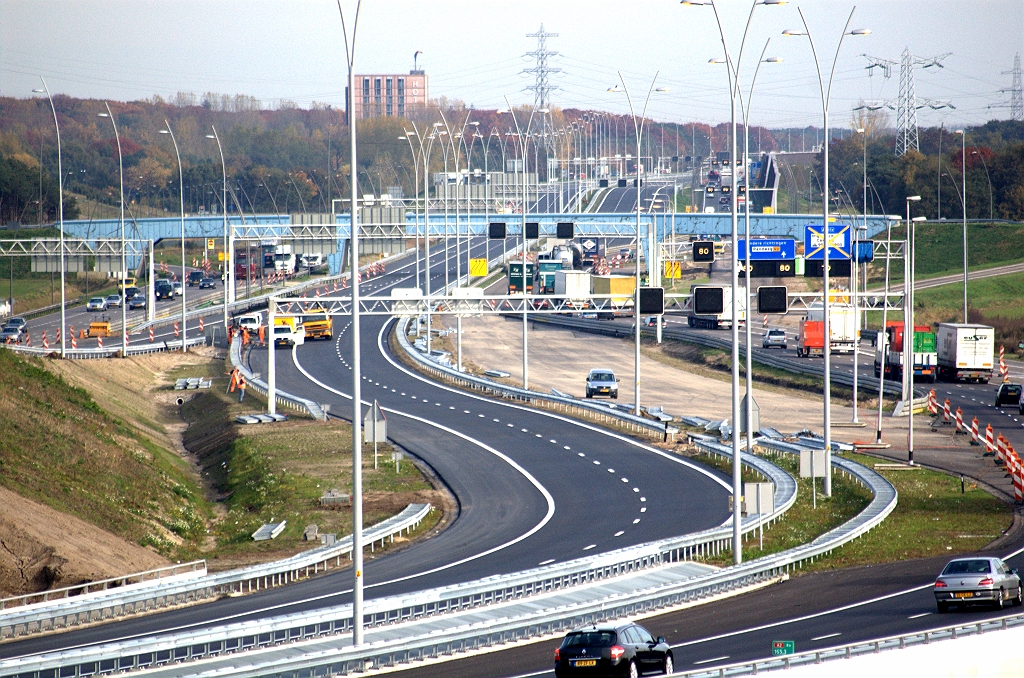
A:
972,581
207,283
137,302
18,322
613,650
1008,394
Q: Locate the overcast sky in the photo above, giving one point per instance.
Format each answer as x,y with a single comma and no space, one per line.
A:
476,51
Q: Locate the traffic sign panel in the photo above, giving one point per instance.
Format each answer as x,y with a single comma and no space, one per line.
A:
764,249
783,647
838,237
478,267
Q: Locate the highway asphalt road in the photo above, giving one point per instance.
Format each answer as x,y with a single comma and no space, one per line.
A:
532,488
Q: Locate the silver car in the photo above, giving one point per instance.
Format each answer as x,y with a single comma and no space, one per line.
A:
96,304
602,382
773,339
967,581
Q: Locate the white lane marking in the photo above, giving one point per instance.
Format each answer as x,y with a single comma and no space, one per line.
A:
572,422
828,635
611,470
555,442
637,520
708,661
918,616
625,480
597,463
795,620
551,560
568,448
500,455
619,533
537,435
511,426
643,509
580,454
587,548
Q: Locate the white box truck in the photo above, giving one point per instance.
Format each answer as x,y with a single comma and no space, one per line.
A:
723,319
966,352
573,286
842,321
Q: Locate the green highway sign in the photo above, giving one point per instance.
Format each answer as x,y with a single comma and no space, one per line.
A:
782,647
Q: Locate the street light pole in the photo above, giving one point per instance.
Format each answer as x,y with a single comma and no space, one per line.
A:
229,277
733,75
181,196
908,327
826,93
856,303
124,262
357,403
60,216
963,201
638,129
521,141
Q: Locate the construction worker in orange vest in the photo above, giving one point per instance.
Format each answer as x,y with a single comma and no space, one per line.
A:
234,380
262,334
245,336
241,387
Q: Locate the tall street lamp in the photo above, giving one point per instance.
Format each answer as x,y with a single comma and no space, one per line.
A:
181,200
826,93
745,108
60,216
856,255
882,338
963,201
416,190
229,273
733,73
638,129
908,327
124,262
521,141
357,403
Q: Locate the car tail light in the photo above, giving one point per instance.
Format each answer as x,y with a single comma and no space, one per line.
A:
940,584
557,654
987,581
617,652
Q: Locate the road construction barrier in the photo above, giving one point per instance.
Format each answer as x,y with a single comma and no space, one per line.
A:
177,332
202,325
1004,371
99,342
946,419
990,441
975,436
46,344
152,335
960,428
933,404
1000,449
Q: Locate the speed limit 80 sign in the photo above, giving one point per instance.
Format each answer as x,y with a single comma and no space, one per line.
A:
703,251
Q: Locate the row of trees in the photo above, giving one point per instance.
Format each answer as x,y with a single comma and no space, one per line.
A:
994,157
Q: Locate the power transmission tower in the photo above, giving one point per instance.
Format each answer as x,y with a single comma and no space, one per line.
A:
908,104
1016,94
542,87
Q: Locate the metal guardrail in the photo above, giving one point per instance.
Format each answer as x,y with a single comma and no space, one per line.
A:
158,575
951,632
811,368
73,611
407,628
566,403
257,384
287,633
113,351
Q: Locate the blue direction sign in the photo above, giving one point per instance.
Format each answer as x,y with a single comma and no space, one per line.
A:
767,249
839,241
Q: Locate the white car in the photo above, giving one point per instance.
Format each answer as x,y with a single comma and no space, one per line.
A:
176,286
251,322
283,336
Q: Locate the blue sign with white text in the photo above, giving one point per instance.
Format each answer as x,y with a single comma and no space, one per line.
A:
767,249
838,240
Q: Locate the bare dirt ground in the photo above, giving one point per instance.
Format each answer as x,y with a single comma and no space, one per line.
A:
561,359
41,547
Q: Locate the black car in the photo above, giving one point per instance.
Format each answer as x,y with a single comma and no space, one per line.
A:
164,291
207,283
1008,394
613,650
195,277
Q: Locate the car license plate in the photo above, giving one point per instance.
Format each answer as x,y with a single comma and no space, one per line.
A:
585,662
966,594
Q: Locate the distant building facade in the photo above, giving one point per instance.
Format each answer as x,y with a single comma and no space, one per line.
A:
389,95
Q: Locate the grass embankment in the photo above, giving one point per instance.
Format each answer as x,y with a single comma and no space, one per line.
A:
98,440
932,517
63,450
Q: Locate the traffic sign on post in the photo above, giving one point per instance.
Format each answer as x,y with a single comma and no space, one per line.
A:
703,251
783,647
652,300
767,249
772,299
496,230
564,230
478,267
532,230
210,243
838,239
708,300
673,270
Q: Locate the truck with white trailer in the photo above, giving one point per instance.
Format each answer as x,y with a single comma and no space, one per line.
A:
966,352
842,325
